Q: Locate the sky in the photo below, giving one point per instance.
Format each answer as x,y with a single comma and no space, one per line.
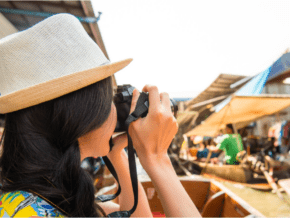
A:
181,46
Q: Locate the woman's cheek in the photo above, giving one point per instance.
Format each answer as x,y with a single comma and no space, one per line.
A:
107,149
102,150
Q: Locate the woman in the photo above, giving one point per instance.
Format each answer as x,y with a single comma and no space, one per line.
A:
57,97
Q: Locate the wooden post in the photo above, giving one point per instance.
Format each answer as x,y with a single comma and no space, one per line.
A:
278,117
89,12
235,129
7,28
248,150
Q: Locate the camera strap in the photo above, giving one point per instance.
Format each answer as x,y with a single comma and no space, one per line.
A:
104,198
140,110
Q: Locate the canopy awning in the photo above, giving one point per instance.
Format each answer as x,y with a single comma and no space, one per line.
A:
242,110
256,84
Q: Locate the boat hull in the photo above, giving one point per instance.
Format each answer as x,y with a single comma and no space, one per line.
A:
211,198
237,173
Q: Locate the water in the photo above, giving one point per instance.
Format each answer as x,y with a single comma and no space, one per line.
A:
268,203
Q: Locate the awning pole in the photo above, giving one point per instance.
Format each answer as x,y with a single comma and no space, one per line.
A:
278,117
235,129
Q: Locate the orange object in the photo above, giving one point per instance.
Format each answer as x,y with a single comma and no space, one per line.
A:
158,214
193,152
248,150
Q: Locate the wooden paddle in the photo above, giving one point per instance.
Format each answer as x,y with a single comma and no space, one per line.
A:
271,182
179,164
207,160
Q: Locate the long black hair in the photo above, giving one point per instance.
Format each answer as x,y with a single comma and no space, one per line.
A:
41,153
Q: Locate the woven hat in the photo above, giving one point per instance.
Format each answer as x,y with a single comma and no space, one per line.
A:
51,59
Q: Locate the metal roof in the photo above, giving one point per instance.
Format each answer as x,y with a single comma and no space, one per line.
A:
212,101
279,78
186,120
278,71
219,87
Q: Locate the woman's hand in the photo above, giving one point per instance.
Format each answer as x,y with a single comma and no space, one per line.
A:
120,142
151,138
153,134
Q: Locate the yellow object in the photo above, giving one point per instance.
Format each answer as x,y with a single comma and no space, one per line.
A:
25,204
184,145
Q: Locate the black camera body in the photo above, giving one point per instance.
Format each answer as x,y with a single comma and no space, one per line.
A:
123,100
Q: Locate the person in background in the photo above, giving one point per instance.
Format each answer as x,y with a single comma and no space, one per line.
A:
202,150
209,142
231,143
199,152
184,148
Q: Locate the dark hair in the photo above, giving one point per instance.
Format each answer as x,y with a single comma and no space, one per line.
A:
208,141
2,120
41,151
230,126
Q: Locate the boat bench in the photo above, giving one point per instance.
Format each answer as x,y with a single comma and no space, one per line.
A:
221,205
214,205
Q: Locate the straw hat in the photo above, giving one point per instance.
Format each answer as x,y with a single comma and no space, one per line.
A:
51,59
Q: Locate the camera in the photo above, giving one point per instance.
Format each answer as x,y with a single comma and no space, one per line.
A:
123,100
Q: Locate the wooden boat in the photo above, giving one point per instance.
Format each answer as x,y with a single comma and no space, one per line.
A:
238,173
211,198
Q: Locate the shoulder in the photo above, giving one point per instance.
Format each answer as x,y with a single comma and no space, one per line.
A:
223,141
25,204
225,137
238,136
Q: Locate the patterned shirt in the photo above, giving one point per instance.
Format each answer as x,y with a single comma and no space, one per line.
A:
25,204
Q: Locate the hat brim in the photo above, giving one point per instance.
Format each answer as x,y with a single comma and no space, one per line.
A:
55,88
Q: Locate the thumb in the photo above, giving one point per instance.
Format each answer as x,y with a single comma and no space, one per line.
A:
135,97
